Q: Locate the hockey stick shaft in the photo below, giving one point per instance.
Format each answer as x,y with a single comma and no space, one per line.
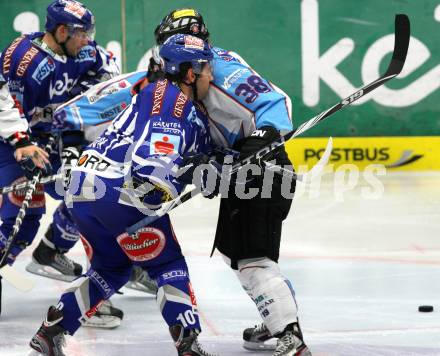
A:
24,185
401,42
22,212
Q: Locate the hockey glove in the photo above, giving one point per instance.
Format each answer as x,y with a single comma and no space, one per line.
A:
256,141
203,171
69,159
30,169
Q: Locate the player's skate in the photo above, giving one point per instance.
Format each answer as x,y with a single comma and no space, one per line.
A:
107,317
186,342
49,339
139,280
290,342
254,339
51,262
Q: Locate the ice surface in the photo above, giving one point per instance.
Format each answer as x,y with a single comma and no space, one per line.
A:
360,268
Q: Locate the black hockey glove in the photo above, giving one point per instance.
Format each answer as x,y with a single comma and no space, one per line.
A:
30,169
69,159
203,171
256,141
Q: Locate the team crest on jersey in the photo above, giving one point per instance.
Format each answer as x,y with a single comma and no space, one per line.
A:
194,42
43,70
161,143
74,8
145,245
17,197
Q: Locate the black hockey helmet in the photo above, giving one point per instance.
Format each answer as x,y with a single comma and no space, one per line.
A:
185,21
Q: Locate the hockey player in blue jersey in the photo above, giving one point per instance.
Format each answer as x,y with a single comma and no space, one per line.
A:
42,71
247,113
143,150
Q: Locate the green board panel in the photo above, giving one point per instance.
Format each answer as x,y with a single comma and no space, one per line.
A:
316,51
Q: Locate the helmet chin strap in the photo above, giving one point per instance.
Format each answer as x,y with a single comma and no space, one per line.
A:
193,86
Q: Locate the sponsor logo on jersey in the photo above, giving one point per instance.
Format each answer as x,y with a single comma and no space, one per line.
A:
145,245
43,70
233,77
113,111
74,8
164,143
26,60
93,162
194,42
87,53
17,197
61,86
158,93
8,54
168,127
107,89
179,105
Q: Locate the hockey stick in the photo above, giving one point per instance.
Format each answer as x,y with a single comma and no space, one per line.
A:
401,42
18,280
305,177
26,184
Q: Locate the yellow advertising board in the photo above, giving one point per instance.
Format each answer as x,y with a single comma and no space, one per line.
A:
395,153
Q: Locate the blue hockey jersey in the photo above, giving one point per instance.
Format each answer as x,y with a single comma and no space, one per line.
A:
145,143
40,80
240,101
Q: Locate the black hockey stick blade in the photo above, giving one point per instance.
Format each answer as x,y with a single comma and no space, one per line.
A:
401,43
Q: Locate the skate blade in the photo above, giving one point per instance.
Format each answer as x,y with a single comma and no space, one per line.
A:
140,287
17,279
102,322
48,272
258,346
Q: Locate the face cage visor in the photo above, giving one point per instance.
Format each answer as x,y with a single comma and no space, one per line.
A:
199,64
80,32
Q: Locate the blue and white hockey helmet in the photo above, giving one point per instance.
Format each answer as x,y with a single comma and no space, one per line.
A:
73,14
180,49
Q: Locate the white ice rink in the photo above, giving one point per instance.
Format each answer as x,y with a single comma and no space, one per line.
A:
360,268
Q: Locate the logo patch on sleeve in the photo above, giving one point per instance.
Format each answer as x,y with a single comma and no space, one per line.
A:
164,143
43,70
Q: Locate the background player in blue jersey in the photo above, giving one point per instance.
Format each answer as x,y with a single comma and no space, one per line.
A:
247,113
131,168
43,70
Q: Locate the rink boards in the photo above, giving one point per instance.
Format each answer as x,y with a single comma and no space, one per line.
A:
394,153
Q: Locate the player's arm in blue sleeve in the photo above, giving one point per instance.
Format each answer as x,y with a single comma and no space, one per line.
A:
104,67
269,104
